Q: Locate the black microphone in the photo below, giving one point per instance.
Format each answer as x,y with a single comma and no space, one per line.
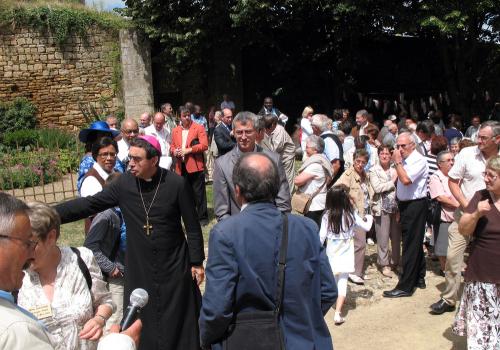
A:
138,299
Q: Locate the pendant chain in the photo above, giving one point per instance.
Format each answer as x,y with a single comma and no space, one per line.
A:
147,227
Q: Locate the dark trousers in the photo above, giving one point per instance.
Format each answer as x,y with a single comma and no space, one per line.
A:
413,218
316,216
197,182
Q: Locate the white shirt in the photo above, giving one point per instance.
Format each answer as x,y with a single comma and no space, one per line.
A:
417,170
347,232
348,143
123,147
90,184
318,202
305,126
163,136
468,168
165,139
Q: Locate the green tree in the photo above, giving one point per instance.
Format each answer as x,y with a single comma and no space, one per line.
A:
467,36
326,34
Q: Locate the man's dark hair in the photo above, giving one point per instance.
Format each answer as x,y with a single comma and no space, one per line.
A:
183,109
101,143
426,126
256,185
269,120
189,106
164,105
346,127
150,150
337,114
9,207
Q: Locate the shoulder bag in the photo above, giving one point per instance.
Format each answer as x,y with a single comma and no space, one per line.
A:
302,201
260,330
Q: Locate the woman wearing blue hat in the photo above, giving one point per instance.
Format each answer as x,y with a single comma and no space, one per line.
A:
89,136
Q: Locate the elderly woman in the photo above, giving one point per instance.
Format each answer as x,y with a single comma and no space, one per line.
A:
384,209
313,177
356,180
305,128
478,316
361,142
439,190
64,286
455,145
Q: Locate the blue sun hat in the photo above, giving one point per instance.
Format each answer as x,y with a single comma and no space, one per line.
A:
98,126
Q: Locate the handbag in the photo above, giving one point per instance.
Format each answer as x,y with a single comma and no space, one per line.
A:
302,201
260,330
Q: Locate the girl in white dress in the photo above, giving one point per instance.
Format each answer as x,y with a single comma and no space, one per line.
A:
337,227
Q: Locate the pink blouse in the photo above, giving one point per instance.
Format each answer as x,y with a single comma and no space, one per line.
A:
438,186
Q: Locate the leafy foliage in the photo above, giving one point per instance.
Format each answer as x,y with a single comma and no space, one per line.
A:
328,34
17,115
61,19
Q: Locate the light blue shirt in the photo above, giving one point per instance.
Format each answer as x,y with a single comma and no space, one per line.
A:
200,120
10,298
331,150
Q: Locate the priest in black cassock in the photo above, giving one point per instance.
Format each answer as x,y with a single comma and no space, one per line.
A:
158,257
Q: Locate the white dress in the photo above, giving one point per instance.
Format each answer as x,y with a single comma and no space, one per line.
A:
340,247
73,304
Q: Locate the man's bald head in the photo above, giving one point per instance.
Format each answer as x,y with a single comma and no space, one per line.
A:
145,119
405,144
159,121
129,129
257,178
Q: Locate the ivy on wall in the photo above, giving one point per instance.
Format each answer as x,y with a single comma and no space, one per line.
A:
62,20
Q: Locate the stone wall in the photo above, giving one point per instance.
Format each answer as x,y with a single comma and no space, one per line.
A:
137,78
56,79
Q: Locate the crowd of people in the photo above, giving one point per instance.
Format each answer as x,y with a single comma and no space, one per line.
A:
411,185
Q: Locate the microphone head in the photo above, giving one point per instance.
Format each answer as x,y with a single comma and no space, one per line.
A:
139,297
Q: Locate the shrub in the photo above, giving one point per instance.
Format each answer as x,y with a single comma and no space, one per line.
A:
54,139
25,139
17,115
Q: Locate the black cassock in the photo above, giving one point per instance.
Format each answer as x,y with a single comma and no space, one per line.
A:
161,262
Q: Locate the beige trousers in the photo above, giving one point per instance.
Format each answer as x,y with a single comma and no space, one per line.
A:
116,288
359,252
454,260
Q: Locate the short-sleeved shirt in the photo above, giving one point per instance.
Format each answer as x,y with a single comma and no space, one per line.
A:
484,259
438,186
318,202
468,168
416,168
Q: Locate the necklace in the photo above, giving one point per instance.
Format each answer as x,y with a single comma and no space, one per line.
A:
148,227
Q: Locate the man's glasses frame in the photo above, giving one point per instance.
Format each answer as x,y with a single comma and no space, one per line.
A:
28,243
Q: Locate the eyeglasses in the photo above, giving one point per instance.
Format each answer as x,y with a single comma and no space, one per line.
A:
451,160
128,132
360,162
490,176
135,159
484,138
403,145
107,155
27,242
